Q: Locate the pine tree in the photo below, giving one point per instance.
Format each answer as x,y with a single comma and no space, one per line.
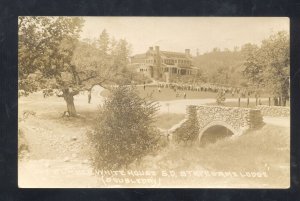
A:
103,43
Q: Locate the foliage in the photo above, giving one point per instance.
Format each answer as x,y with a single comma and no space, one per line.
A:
189,130
268,65
221,67
220,99
120,54
45,46
124,132
103,43
51,56
103,61
276,51
253,66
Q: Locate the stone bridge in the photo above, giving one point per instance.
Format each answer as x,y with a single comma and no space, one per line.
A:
237,120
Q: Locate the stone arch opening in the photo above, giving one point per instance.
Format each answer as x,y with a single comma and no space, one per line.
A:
216,131
214,134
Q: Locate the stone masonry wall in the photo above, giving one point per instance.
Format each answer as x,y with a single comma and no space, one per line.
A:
240,119
274,111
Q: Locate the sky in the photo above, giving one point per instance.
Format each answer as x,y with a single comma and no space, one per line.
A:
180,33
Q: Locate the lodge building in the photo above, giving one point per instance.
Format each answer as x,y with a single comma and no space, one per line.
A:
163,65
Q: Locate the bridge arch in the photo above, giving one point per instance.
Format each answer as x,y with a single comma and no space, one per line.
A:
217,123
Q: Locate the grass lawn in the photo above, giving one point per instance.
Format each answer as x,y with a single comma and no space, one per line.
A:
166,121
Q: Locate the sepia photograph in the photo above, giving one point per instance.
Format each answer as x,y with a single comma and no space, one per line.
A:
153,102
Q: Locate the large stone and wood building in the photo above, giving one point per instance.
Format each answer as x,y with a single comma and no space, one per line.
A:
163,65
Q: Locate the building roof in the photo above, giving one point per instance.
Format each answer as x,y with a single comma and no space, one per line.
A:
163,54
169,54
172,55
136,56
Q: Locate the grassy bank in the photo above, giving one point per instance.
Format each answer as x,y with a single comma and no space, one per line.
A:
266,150
166,121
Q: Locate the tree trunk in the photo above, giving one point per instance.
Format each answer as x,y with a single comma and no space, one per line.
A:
275,101
283,101
90,96
280,101
70,105
69,98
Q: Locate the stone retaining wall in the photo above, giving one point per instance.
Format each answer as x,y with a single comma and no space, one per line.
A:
274,111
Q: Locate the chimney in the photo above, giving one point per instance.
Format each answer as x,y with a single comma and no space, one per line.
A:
157,50
150,48
187,52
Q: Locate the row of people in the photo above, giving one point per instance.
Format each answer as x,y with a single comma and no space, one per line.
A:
206,87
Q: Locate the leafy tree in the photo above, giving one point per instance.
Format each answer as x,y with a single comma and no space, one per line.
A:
276,55
253,66
124,132
51,56
45,54
268,66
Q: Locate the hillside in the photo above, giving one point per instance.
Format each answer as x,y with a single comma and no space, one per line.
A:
222,67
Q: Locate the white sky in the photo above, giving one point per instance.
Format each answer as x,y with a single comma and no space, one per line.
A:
180,33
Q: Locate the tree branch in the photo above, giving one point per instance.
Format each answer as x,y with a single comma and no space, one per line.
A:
73,93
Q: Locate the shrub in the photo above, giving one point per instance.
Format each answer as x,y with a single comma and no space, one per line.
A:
220,99
124,132
189,130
